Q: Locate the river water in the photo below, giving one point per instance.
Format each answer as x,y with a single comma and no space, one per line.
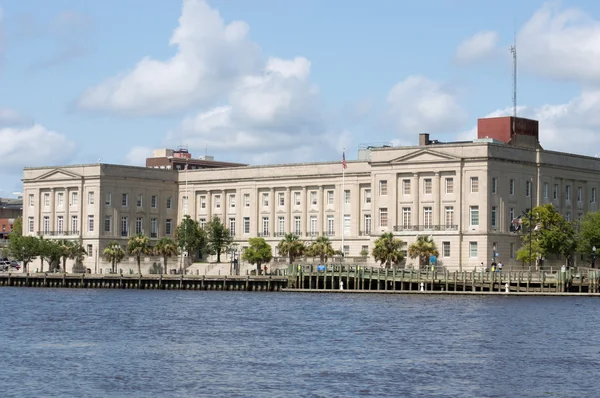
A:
135,343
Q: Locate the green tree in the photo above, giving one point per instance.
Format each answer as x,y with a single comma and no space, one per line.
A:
551,234
23,248
18,227
68,251
190,237
321,248
219,237
114,254
589,234
291,246
388,250
166,247
259,252
424,247
139,246
51,251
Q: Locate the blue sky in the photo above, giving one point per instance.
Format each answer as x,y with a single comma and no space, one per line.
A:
269,81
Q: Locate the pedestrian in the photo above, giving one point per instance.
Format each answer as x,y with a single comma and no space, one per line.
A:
493,267
500,266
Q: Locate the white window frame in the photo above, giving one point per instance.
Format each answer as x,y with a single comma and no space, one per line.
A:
60,200
446,249
91,198
511,187
474,216
367,196
246,200
108,199
473,250
90,223
383,221
406,187
449,185
383,188
125,200
474,184
74,199
427,186
246,225
139,225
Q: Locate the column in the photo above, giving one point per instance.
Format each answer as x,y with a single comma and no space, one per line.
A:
225,207
304,211
239,220
436,200
38,216
52,210
273,204
393,204
208,205
289,228
416,208
321,210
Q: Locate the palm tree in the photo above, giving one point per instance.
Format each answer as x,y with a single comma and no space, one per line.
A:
113,253
388,250
139,245
423,247
291,246
166,247
321,248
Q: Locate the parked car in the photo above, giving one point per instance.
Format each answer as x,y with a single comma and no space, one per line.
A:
15,264
4,265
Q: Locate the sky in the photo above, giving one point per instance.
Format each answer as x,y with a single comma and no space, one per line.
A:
271,81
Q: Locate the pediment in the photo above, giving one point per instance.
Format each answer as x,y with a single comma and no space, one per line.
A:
425,156
58,174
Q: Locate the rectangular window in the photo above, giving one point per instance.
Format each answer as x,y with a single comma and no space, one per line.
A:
265,199
364,248
153,228
347,197
61,200
203,202
474,184
406,187
246,225
494,185
90,198
46,224
406,217
545,190
346,224
185,204
329,197
367,221
139,225
511,213
383,188
46,200
449,216
427,186
124,226
313,225
511,187
31,224
297,198
168,227
74,199
512,250
107,224
579,194
90,251
154,201
593,195
427,217
90,223
246,200
125,200
528,188
108,199
265,226
232,226
297,225
170,201
203,223
474,213
60,224
232,201
446,249
494,211
281,225
140,201
313,198
579,216
555,195
383,217
473,249
30,200
281,197
568,216
346,250
367,196
75,224
330,225
450,185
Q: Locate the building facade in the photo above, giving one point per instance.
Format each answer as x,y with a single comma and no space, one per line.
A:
465,195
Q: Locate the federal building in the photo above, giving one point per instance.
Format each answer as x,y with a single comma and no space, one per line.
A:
464,195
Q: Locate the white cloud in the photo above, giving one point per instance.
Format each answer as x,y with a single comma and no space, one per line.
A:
562,44
211,57
137,156
32,146
477,47
420,105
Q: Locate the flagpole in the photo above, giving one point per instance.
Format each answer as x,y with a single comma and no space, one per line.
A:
343,198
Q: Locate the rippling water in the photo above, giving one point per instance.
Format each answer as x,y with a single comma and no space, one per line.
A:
112,343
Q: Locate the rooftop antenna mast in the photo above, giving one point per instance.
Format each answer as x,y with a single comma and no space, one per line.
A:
513,50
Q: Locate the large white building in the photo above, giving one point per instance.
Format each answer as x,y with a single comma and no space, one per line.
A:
462,194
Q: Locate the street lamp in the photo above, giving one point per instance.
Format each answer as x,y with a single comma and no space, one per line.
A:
593,257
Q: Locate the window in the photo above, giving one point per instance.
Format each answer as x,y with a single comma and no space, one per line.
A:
125,200
579,194
474,184
154,201
568,192
450,185
545,190
60,224
74,224
330,225
90,251
555,195
313,198
140,201
170,201
153,228
203,202
528,188
494,212
494,185
139,225
406,216
446,249
246,225
568,216
281,199
46,200
46,224
297,198
329,197
383,188
427,186
232,201
347,224
593,195
406,187
511,187
313,225
74,199
265,226
512,250
427,217
202,223
185,204
281,225
511,213
107,224
367,196
449,216
347,197
90,223
265,199
383,217
168,226
108,199
30,200
124,226
579,216
31,224
246,200
61,200
473,249
367,221
474,213
364,248
297,225
232,226
90,198
346,250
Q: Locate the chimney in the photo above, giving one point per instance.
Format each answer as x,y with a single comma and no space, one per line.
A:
423,139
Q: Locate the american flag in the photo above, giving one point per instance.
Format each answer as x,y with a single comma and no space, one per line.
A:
344,164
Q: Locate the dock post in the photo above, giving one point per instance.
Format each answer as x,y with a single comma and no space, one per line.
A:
378,277
472,281
394,277
455,280
268,283
446,278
